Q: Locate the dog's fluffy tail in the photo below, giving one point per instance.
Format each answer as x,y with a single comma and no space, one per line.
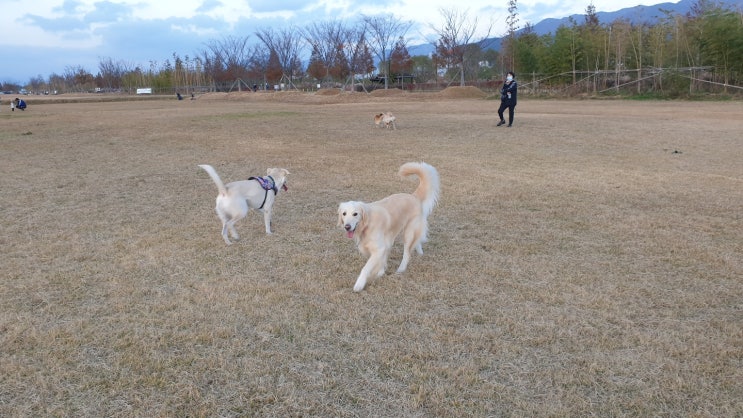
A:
429,187
215,177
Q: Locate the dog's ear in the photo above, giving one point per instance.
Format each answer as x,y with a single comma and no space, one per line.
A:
340,214
277,172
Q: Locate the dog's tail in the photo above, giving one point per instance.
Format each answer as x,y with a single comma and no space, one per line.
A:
429,188
215,177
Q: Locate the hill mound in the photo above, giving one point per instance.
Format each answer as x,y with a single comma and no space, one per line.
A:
393,92
466,92
328,92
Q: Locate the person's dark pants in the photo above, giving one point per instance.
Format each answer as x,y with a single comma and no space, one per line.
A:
510,107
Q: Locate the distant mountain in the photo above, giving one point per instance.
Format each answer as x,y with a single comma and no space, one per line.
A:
636,14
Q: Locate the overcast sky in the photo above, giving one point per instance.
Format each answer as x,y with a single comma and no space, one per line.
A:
41,37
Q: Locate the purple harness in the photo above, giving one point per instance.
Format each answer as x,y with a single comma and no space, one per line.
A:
267,183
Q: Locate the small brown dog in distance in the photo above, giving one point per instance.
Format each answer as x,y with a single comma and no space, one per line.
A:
387,119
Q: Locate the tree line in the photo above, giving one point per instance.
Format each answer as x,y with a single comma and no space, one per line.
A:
694,53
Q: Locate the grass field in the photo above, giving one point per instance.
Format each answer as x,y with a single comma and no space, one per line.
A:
587,261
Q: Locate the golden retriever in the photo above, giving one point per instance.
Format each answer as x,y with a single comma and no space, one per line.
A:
237,198
374,226
387,119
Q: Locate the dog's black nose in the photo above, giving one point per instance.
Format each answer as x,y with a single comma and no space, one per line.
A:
348,227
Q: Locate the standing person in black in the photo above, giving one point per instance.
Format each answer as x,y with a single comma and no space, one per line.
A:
508,96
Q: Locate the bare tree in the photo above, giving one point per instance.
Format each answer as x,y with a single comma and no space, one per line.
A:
258,66
338,51
110,72
383,33
37,84
78,78
56,83
512,24
285,45
454,36
227,60
357,52
326,40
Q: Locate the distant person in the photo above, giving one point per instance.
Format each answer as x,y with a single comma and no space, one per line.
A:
12,105
508,96
178,94
20,103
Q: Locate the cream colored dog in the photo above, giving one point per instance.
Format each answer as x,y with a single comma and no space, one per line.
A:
237,198
387,119
374,226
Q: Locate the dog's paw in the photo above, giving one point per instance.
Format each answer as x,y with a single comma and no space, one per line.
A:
359,286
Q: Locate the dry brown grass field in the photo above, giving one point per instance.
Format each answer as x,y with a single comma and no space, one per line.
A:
586,262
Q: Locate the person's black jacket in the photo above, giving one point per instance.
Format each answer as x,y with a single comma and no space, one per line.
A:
511,88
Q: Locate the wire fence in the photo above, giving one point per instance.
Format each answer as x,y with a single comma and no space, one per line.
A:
666,82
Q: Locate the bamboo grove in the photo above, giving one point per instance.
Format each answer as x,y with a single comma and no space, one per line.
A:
699,52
